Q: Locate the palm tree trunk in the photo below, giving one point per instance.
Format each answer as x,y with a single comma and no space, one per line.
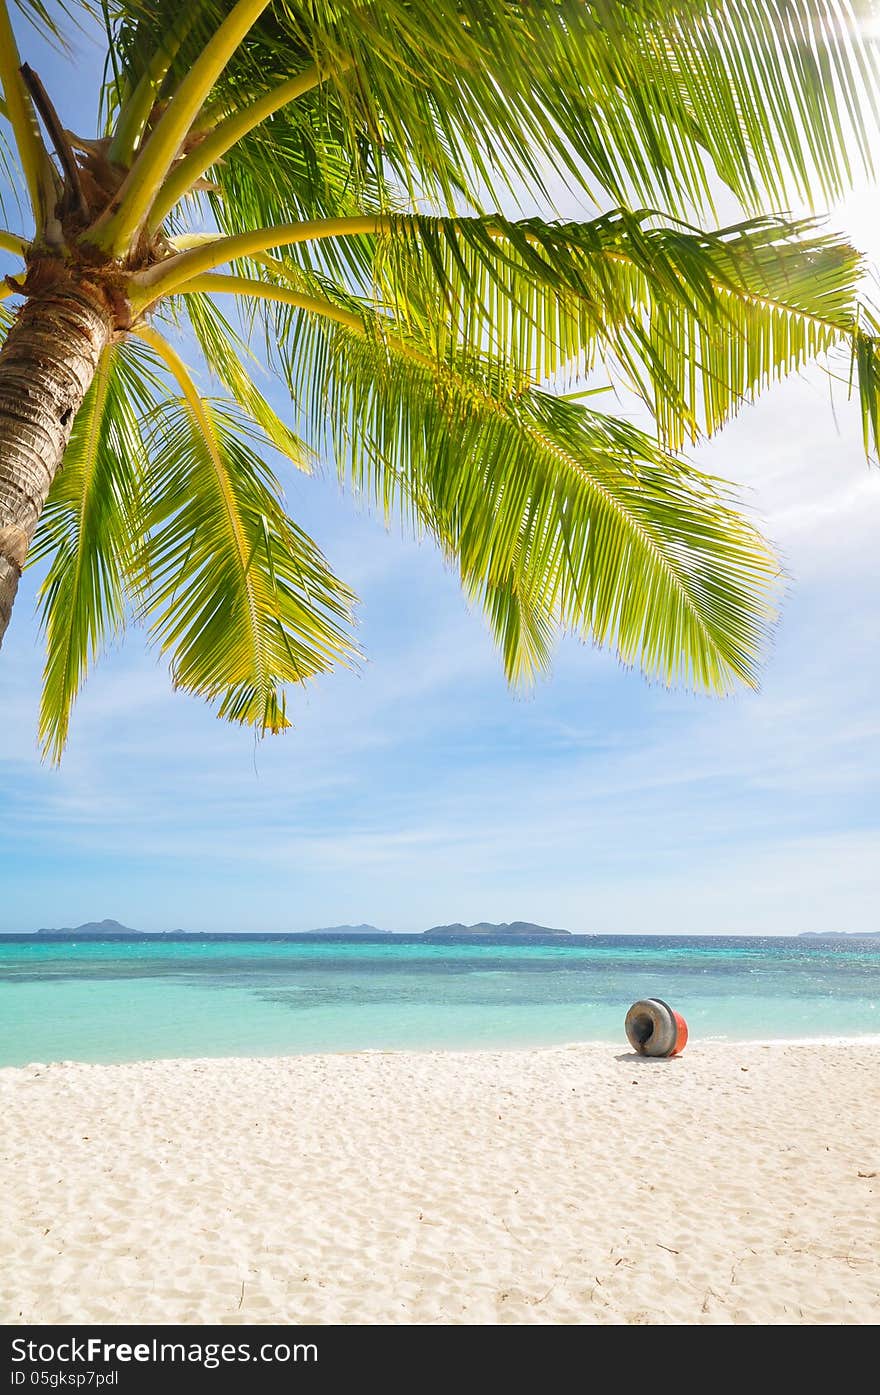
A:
46,366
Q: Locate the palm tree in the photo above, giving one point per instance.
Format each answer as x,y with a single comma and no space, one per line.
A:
334,171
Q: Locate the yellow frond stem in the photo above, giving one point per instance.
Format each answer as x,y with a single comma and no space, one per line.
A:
176,367
114,230
228,133
184,241
21,117
11,242
314,305
174,272
137,107
262,290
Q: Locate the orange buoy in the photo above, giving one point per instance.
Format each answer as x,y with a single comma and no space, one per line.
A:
653,1028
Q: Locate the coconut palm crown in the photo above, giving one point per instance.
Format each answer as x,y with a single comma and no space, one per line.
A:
314,186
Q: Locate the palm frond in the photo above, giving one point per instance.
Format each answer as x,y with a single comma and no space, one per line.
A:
555,515
237,596
698,321
88,533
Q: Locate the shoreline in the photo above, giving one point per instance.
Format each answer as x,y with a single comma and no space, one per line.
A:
565,1185
620,1044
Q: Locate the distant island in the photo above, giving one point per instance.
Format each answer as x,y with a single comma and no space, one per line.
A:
484,930
94,927
504,932
107,929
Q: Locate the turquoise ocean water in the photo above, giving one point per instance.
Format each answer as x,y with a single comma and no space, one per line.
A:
115,1001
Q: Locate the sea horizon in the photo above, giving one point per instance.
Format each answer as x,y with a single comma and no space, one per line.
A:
418,936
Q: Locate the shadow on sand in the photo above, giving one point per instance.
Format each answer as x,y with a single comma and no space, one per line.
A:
634,1059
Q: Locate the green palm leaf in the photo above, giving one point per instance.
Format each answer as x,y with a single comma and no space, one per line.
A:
698,321
236,595
88,533
556,516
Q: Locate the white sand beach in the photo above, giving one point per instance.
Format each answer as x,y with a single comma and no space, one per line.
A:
737,1184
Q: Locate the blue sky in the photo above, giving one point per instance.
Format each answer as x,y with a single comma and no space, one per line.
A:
420,790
